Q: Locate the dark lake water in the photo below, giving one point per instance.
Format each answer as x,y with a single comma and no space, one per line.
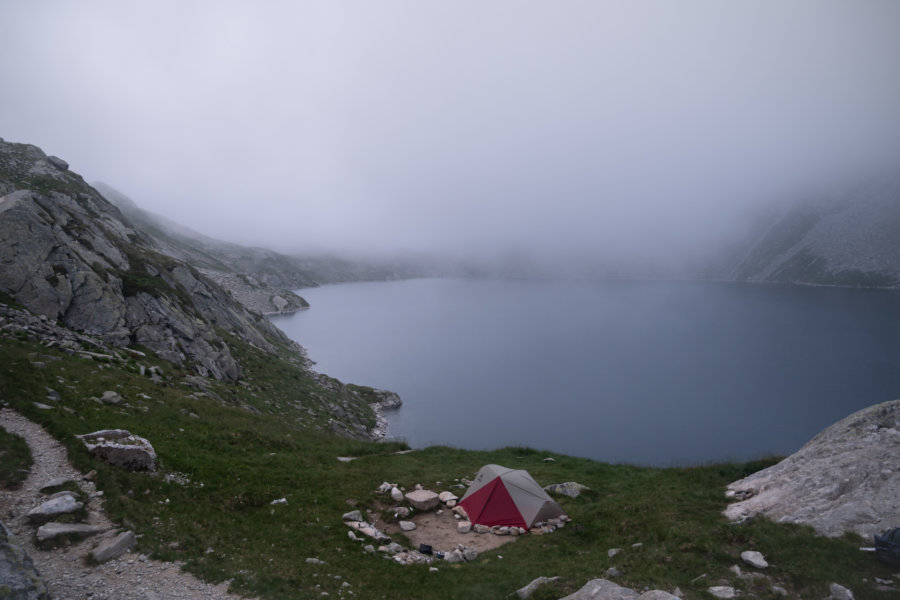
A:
657,373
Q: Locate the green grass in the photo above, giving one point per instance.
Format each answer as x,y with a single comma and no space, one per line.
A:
15,460
209,504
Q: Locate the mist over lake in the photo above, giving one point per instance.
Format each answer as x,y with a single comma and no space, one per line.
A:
661,373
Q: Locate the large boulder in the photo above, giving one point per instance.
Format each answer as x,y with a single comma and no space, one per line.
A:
122,449
19,580
845,479
423,500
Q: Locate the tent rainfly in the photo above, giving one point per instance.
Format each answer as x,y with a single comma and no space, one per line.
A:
511,497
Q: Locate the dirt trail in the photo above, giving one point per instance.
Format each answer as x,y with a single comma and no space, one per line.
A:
131,577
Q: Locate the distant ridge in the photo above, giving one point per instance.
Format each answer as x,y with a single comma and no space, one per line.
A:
850,239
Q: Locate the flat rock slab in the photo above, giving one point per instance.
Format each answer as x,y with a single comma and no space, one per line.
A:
114,547
423,500
51,509
604,589
51,531
55,483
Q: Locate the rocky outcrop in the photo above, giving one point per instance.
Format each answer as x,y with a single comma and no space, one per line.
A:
257,296
19,580
68,254
845,479
122,449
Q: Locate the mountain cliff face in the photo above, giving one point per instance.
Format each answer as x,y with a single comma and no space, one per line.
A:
852,239
68,254
252,270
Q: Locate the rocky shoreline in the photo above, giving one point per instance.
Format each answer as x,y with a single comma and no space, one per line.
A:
255,295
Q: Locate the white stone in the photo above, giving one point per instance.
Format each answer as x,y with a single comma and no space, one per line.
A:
723,591
463,527
54,530
612,552
839,592
407,525
454,556
423,500
114,547
754,559
447,496
396,494
51,509
528,590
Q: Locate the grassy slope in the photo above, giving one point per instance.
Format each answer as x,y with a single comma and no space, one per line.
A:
225,467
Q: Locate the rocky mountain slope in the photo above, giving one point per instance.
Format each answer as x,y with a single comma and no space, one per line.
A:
68,254
848,239
249,270
72,258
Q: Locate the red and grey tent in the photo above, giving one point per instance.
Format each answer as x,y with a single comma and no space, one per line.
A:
501,496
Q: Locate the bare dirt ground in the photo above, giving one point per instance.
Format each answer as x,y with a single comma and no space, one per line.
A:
133,576
439,532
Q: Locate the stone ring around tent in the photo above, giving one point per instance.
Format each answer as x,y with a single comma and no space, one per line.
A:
508,497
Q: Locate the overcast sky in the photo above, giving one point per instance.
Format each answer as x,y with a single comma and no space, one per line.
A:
592,128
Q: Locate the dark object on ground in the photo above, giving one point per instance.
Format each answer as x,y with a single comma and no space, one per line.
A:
887,546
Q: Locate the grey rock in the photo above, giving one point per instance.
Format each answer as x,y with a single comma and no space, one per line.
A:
454,556
111,397
531,588
658,595
839,592
58,163
447,497
353,515
602,589
122,449
723,591
396,494
754,559
407,526
51,509
827,483
570,489
612,552
114,547
19,580
51,531
463,527
469,553
423,500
